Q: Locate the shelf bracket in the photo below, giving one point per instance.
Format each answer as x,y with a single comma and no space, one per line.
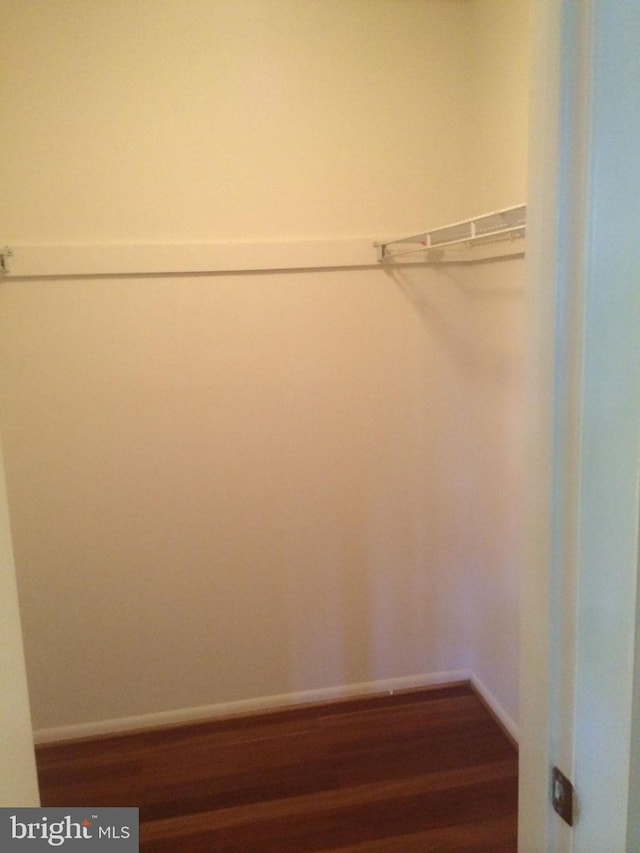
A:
480,231
5,254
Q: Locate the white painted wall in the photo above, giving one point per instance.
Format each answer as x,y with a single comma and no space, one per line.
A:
246,486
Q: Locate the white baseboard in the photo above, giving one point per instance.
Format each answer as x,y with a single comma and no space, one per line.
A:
244,706
506,720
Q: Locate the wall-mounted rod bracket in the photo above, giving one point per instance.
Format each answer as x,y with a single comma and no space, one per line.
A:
5,254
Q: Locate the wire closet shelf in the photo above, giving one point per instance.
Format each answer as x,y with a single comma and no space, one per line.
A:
496,234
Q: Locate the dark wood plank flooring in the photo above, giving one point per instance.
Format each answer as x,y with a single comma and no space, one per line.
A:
421,770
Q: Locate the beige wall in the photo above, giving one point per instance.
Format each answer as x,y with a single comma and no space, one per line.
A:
497,177
227,487
494,384
234,119
498,104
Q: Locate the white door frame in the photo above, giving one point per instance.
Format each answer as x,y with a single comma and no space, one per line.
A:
579,606
18,779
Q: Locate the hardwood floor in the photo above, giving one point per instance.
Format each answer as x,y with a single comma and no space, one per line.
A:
422,770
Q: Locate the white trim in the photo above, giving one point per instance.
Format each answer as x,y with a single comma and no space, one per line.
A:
244,706
19,779
33,261
579,598
538,629
507,721
609,448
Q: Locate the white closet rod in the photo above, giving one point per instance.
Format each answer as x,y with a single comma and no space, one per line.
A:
25,261
508,223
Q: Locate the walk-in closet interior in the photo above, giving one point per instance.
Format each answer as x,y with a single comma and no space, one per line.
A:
254,458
